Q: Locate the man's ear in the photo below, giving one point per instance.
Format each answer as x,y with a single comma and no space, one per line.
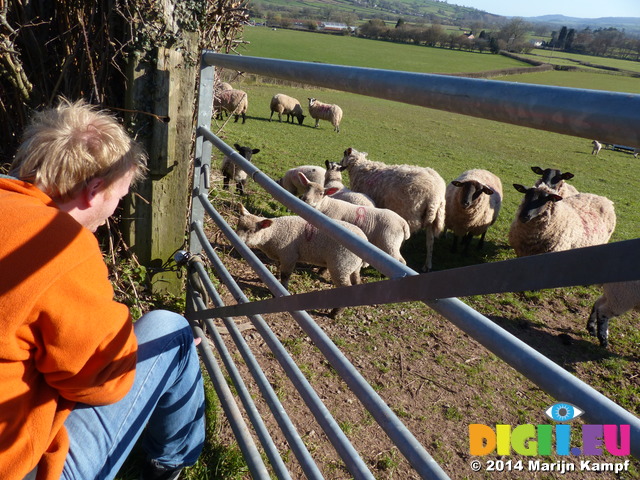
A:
92,189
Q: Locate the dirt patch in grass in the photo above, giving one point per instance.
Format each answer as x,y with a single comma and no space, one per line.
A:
436,378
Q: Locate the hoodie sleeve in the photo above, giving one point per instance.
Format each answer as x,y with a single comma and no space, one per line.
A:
86,347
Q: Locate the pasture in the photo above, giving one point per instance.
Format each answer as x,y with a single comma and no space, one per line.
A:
436,378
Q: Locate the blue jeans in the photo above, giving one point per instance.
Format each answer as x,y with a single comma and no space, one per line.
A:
167,398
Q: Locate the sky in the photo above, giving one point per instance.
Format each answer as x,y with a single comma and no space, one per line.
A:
569,8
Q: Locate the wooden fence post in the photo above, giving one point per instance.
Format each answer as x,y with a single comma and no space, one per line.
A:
160,100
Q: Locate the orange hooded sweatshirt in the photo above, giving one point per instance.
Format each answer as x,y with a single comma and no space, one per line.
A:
64,339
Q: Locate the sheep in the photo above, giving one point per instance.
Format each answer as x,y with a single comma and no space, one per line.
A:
545,222
224,86
291,182
235,102
616,299
555,179
415,193
473,202
597,146
325,111
289,240
282,103
333,186
384,228
230,171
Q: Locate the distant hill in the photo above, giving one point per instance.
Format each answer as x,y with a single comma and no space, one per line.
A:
445,12
629,24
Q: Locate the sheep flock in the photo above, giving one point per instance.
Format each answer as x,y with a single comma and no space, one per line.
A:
385,203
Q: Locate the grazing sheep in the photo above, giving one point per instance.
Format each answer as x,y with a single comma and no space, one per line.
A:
290,240
234,102
291,182
473,201
555,179
545,222
333,186
384,228
325,111
617,298
281,103
415,193
597,146
230,171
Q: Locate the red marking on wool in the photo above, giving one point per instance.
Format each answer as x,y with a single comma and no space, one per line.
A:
361,216
309,232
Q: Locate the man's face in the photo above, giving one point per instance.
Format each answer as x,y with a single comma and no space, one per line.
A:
106,201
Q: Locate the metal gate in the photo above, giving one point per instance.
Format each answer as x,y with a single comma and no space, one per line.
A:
611,117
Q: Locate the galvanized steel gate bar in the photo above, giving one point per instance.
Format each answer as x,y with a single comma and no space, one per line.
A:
549,108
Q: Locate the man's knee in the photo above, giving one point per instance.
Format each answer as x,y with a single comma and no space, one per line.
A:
161,323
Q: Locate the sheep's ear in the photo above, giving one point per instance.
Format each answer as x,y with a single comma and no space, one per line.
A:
265,223
255,150
456,183
487,190
331,191
348,151
303,178
326,164
537,170
554,198
567,176
236,146
520,188
242,210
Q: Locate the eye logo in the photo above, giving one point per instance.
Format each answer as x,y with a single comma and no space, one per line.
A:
563,412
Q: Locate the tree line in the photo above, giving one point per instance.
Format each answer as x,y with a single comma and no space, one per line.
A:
511,37
602,42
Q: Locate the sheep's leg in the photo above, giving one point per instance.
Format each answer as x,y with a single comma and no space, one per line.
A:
598,323
466,241
603,330
340,279
481,241
271,116
244,118
454,245
429,244
317,122
225,182
240,188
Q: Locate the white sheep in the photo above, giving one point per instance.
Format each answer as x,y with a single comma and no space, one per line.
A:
415,193
473,201
616,299
234,102
291,182
284,104
230,171
384,228
547,222
597,146
555,179
325,111
333,186
291,239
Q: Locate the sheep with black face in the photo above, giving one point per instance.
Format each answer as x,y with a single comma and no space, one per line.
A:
473,202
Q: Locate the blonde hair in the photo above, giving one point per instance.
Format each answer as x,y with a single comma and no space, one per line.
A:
65,147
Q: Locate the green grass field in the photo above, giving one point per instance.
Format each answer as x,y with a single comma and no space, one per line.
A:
359,52
449,143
